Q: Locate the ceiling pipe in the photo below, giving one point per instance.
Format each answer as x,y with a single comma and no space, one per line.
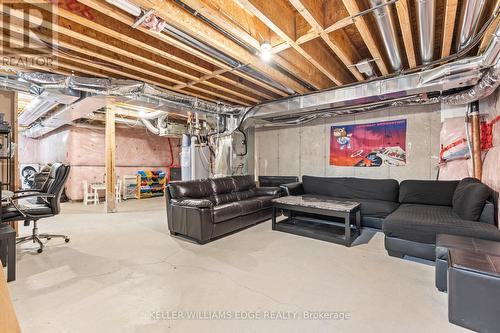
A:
387,30
469,21
426,16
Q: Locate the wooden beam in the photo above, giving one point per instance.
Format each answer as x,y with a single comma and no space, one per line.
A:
313,34
450,14
107,70
230,16
110,147
405,24
313,13
278,20
488,35
178,17
95,48
156,57
120,16
366,34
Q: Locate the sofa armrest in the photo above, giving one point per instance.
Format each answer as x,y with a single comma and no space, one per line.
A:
488,213
194,203
274,191
293,188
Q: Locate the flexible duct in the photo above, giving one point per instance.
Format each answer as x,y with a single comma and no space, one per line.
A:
485,87
426,16
388,33
469,21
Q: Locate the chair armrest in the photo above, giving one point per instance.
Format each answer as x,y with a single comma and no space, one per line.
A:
195,203
26,191
38,195
293,188
274,191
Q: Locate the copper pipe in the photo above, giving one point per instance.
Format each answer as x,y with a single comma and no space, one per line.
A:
476,142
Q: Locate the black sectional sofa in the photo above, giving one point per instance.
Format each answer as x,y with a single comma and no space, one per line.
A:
412,213
208,208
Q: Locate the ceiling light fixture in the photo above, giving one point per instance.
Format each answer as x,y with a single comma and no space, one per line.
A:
265,51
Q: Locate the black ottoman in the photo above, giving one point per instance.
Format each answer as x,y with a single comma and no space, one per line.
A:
474,290
446,242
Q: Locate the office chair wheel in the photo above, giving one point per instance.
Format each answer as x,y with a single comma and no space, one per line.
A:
39,250
66,240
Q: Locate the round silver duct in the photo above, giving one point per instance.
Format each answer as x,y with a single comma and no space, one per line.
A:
426,16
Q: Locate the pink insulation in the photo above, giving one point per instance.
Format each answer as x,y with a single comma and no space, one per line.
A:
491,161
83,149
453,131
454,128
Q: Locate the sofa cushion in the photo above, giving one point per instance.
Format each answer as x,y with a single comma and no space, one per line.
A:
373,208
469,199
421,223
249,206
223,189
265,201
194,189
427,192
243,195
355,188
244,183
226,211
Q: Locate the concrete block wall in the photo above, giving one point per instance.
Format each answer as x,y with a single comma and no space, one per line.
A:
304,150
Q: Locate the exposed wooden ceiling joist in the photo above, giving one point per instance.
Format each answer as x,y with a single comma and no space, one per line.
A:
313,13
450,14
260,33
178,17
353,9
106,43
403,10
276,15
113,13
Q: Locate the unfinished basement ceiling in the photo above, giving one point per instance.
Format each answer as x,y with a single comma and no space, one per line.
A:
315,44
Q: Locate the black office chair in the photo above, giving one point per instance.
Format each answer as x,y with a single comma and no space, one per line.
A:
32,205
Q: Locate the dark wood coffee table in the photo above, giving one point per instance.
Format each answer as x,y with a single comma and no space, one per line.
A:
342,230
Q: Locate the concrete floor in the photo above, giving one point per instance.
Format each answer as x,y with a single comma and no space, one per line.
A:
123,273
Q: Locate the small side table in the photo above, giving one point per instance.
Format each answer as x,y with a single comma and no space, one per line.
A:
8,250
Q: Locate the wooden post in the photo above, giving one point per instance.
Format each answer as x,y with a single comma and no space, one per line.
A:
477,162
110,160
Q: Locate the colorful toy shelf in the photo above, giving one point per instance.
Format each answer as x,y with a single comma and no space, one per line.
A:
150,184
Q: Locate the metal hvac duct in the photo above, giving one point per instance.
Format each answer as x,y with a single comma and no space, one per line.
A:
485,87
388,33
46,102
384,91
469,21
426,16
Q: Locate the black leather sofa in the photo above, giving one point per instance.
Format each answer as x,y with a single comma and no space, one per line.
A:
208,208
412,213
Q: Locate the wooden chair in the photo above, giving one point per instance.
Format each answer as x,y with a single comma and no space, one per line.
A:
89,195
